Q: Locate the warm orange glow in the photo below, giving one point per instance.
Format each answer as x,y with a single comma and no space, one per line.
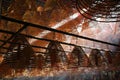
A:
1,58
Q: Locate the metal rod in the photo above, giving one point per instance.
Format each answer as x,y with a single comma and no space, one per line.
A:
48,40
16,33
35,52
54,30
26,44
20,44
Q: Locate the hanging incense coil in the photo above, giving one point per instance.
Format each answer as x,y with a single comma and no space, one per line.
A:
79,58
95,10
99,10
108,57
96,58
55,55
19,54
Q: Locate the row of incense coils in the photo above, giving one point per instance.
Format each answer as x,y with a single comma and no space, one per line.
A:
55,56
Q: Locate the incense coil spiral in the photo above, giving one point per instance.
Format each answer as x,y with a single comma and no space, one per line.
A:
107,10
96,58
79,58
55,54
108,57
19,54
